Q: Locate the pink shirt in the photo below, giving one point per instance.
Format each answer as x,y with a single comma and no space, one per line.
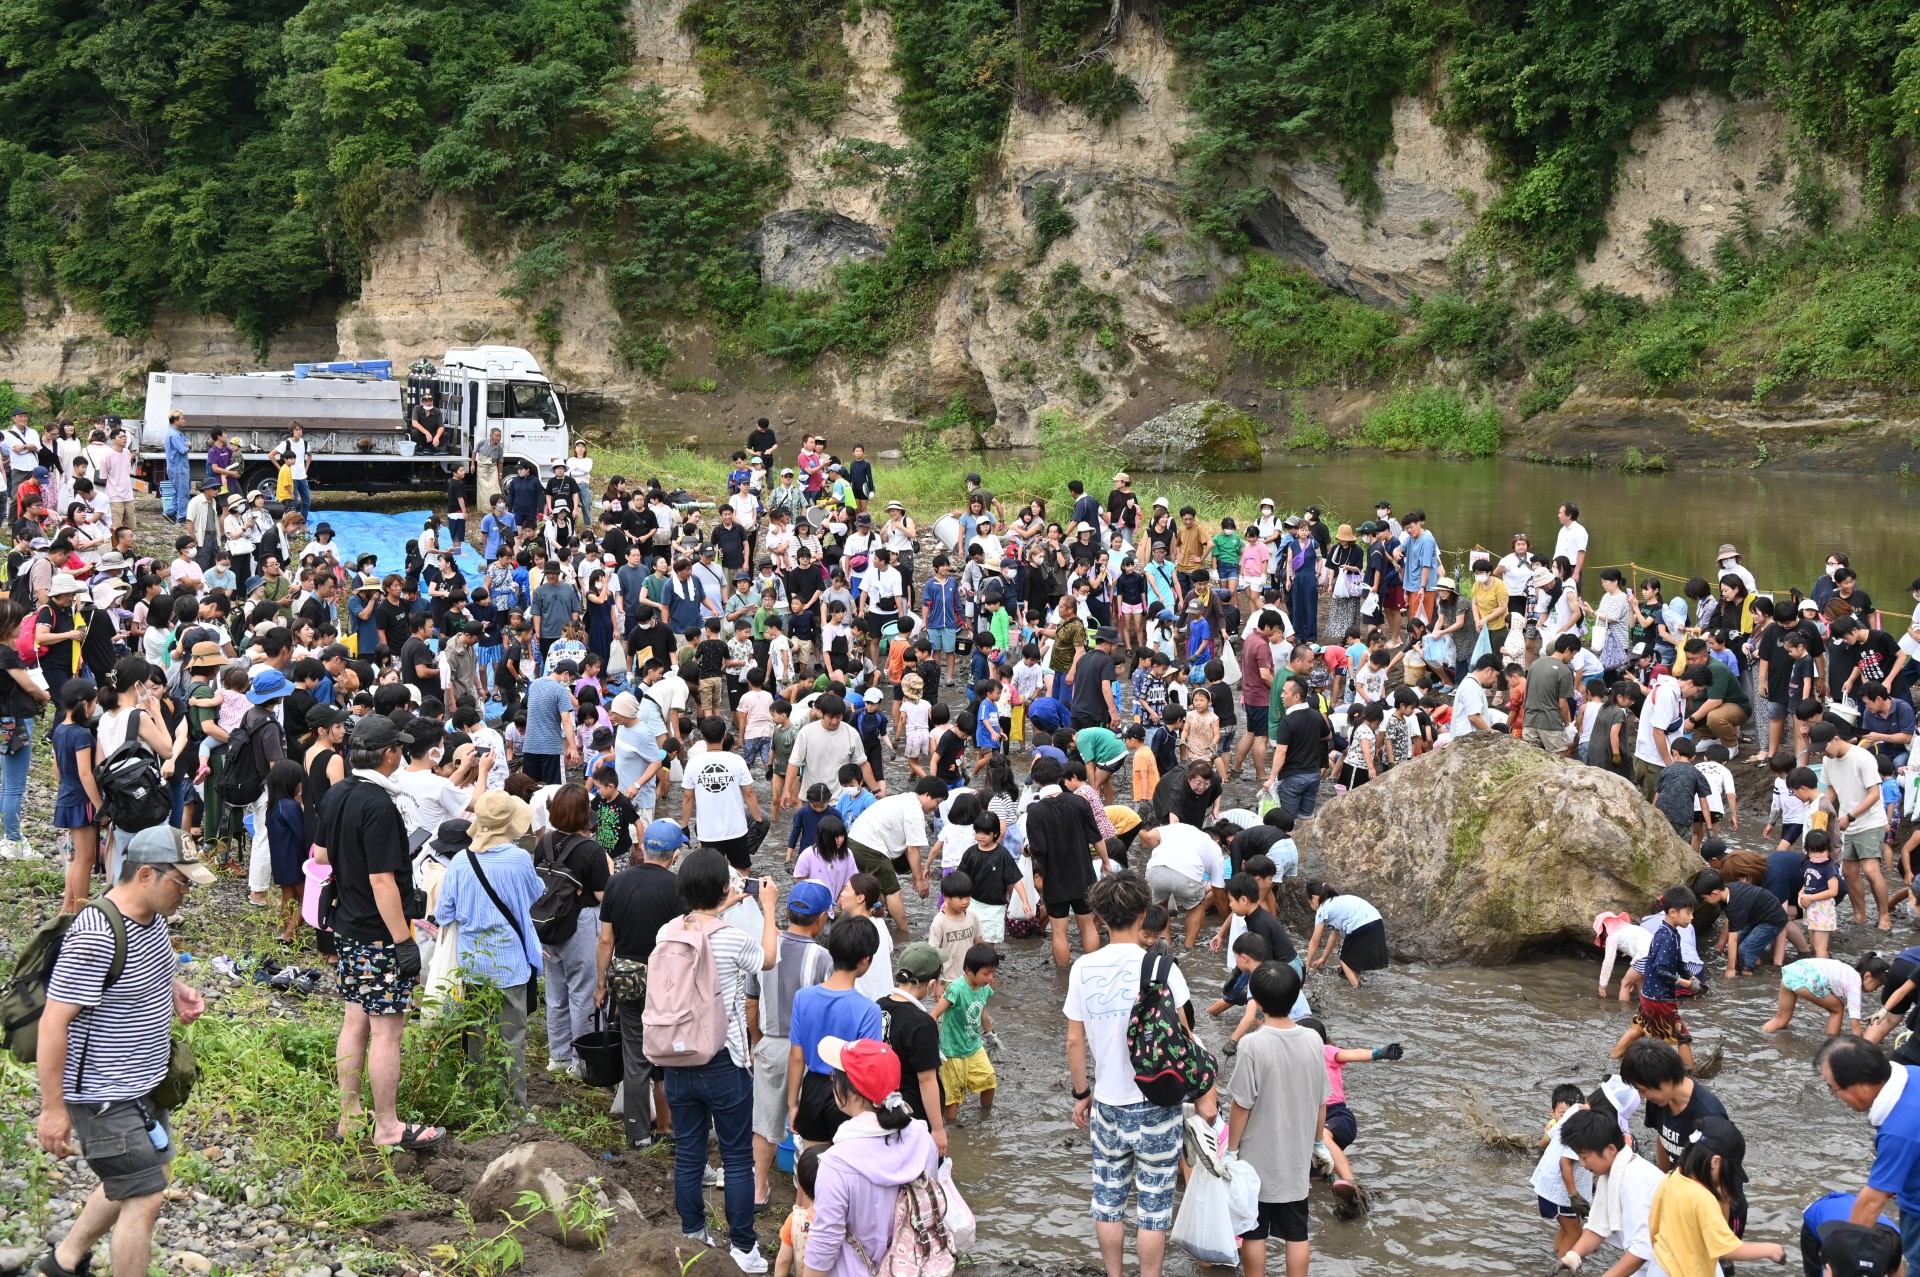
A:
1335,1075
117,469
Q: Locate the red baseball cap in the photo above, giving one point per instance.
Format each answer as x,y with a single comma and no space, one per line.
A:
871,1066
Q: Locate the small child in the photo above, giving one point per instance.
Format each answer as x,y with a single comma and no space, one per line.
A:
1789,810
1659,1014
1146,771
793,1233
966,1031
611,815
915,724
1559,1177
828,861
1249,951
986,731
956,928
1618,934
1221,698
287,840
1834,987
1681,794
1721,800
783,733
1341,1128
230,698
993,873
1819,891
806,821
1200,734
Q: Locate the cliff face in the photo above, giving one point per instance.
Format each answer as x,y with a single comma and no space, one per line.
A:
1097,320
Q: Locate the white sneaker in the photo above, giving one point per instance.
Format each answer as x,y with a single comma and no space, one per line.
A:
748,1261
715,1177
23,850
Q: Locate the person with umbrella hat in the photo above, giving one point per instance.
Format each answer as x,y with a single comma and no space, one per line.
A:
488,894
268,742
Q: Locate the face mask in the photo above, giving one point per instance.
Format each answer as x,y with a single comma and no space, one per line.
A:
433,756
1832,568
1480,576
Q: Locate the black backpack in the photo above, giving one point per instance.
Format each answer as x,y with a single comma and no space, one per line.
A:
137,795
20,578
557,912
244,778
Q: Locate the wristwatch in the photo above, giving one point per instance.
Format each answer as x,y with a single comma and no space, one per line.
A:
1082,1095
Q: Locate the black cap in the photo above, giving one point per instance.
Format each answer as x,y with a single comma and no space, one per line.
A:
377,731
1859,1250
325,716
451,838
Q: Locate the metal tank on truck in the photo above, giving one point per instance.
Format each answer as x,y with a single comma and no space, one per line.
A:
356,415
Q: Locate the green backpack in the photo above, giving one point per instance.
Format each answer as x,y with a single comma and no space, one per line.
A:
24,997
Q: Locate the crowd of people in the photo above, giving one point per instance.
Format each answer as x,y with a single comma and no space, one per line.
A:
478,752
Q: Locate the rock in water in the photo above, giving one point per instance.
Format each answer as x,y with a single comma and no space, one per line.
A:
1205,435
1489,848
556,1171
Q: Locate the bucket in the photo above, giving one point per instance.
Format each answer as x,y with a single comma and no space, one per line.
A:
946,530
602,1060
785,1153
405,447
317,876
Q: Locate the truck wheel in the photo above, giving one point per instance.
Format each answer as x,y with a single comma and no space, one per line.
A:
261,477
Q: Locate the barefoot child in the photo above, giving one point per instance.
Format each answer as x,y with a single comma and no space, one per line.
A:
1355,922
1200,733
287,840
964,1023
1820,891
1559,1177
1659,1015
955,929
1340,1129
995,874
1618,934
1832,986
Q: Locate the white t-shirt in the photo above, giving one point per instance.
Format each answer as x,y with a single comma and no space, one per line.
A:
718,778
435,799
1547,1183
882,589
1662,711
1517,572
1470,699
1191,852
1101,989
1852,778
877,982
891,825
1720,781
1571,543
295,452
1622,1203
758,707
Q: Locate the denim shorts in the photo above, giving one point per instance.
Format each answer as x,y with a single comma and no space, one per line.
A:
755,750
943,640
1135,1146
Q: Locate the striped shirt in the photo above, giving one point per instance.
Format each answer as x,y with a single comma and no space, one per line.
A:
122,1035
737,955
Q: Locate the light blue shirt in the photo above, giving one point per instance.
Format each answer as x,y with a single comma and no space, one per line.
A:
1345,914
496,526
634,750
547,700
1422,553
177,448
488,945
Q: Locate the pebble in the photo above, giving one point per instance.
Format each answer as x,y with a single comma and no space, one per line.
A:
13,1258
193,1262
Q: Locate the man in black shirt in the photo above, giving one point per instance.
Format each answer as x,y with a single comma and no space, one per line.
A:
374,903
1060,833
638,902
761,440
426,427
390,614
419,667
1092,675
1299,751
730,542
1754,919
915,1036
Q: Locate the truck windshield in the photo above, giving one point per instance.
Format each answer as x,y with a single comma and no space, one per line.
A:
530,399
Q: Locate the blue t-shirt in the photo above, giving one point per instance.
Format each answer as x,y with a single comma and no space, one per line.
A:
1835,1208
1783,875
820,1012
68,740
1817,877
1049,714
1896,1157
547,700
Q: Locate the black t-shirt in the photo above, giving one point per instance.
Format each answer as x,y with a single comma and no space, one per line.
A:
1873,659
1779,666
391,618
730,543
317,611
1676,1128
712,655
762,442
584,859
1094,672
1749,906
613,825
639,901
63,656
1222,699
1256,840
1303,731
414,653
993,873
364,834
456,495
946,756
915,1038
1274,932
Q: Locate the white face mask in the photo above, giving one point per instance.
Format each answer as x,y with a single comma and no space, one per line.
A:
1832,568
1480,576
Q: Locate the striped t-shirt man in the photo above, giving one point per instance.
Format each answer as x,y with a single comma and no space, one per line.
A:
117,1047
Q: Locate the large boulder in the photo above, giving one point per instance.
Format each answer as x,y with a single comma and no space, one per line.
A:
801,248
558,1172
1204,435
1489,848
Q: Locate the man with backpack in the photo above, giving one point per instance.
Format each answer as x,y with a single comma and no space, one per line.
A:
695,1027
104,1048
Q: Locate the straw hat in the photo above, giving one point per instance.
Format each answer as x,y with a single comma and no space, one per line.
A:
499,817
1345,533
205,655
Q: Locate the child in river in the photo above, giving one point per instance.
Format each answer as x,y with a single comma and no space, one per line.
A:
1832,986
1618,934
1659,1015
1340,1130
1353,921
1820,891
1559,1177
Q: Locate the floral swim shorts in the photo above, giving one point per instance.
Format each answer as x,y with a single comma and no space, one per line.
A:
370,977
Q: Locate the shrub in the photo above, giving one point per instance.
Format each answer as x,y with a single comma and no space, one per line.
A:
1433,418
1308,332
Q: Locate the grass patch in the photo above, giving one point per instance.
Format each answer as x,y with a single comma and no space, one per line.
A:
1303,330
1432,419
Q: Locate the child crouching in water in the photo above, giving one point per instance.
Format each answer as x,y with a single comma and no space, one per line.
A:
1559,1177
1341,1129
1831,985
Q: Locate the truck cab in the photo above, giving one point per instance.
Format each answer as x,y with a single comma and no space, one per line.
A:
498,388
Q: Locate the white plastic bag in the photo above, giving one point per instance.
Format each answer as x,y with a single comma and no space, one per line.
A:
1243,1197
1203,1227
959,1218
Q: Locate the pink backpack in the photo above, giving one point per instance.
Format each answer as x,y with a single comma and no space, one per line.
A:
685,1022
922,1246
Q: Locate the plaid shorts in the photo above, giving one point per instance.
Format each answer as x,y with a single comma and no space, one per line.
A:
370,977
1135,1145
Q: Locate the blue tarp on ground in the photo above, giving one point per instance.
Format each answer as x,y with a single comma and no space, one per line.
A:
359,532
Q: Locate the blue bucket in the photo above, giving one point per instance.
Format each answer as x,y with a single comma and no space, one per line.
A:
784,1155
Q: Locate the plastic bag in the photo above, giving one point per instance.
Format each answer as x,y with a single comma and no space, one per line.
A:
1269,799
959,1219
1243,1197
1203,1227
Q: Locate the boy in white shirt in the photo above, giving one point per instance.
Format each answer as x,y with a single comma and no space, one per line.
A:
1712,762
779,655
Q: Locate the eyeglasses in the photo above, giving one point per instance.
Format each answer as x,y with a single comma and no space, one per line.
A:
169,872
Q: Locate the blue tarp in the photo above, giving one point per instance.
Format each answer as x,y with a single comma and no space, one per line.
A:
359,532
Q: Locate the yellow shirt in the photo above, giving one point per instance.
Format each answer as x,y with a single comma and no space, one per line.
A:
1689,1229
283,484
1490,601
1190,546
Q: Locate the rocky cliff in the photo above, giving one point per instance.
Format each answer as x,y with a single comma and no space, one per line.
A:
1096,319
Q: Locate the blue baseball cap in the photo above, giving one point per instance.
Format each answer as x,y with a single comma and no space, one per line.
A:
664,835
269,684
809,898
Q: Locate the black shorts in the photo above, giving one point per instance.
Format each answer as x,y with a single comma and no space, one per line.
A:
1077,906
544,768
818,1116
1340,1124
738,851
1284,1221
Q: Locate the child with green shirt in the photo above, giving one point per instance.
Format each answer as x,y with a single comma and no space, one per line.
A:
1228,545
965,1028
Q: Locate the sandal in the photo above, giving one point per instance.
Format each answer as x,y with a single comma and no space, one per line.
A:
411,1140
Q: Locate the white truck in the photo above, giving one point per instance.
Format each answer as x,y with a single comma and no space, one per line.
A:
355,413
